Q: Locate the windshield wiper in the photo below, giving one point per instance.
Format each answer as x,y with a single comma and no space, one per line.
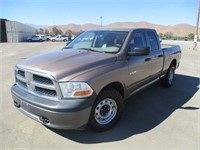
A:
89,49
109,52
67,47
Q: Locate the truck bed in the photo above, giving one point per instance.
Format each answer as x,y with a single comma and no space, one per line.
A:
167,46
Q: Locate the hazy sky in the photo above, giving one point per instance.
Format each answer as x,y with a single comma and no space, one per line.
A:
59,12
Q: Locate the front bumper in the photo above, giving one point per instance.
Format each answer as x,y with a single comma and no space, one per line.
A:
59,114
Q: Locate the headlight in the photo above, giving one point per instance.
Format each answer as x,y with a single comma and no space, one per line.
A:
75,89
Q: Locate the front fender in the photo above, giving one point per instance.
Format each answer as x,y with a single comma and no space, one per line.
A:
103,76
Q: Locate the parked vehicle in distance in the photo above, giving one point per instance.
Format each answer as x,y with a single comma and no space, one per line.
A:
87,81
48,37
36,38
60,38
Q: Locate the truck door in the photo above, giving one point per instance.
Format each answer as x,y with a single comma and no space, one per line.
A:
58,38
140,67
156,52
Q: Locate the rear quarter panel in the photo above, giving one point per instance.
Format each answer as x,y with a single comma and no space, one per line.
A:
171,52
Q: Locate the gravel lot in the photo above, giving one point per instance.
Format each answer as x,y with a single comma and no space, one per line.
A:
155,119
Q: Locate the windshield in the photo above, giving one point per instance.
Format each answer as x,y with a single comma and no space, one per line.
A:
100,41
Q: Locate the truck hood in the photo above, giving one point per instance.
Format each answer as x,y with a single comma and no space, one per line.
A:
66,64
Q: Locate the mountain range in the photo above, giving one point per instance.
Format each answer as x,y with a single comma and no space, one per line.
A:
178,29
37,26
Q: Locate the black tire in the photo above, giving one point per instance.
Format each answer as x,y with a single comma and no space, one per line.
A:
53,40
29,40
167,80
65,40
106,110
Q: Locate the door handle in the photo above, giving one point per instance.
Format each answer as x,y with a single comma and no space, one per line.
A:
160,55
148,59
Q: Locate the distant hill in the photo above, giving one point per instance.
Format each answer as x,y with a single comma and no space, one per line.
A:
37,26
74,27
178,30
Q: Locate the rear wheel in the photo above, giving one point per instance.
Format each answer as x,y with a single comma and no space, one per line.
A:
168,79
106,110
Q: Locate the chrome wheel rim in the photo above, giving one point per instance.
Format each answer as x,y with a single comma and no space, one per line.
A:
105,111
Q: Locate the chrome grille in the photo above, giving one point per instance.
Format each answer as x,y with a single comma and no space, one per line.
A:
45,91
42,80
22,83
36,83
21,73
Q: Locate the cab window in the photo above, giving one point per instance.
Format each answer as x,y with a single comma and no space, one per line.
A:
153,40
137,40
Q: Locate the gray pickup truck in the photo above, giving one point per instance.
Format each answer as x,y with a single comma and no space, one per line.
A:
86,82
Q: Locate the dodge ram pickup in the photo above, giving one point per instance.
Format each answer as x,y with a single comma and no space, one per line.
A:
86,82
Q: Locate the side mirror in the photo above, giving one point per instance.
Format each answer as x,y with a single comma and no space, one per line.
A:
139,51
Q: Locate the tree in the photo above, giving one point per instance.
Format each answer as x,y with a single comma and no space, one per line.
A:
69,33
41,31
56,31
46,31
190,36
60,31
168,35
36,31
161,35
51,34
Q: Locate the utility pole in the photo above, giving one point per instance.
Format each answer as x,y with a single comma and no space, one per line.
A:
197,28
101,21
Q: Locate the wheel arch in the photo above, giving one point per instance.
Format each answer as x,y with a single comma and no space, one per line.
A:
117,86
174,62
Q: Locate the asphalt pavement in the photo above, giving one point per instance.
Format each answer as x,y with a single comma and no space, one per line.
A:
156,118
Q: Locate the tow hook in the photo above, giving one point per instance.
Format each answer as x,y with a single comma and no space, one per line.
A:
16,104
44,120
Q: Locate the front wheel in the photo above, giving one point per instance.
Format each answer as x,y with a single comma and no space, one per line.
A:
106,110
168,79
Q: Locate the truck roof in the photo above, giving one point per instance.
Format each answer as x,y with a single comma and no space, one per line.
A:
119,29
